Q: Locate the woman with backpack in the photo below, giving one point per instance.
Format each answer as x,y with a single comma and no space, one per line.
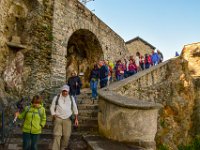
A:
34,120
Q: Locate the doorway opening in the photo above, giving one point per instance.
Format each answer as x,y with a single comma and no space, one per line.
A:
83,51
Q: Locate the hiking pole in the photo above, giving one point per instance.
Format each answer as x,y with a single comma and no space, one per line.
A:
14,120
20,107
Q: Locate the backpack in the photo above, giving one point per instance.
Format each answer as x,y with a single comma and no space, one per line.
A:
72,117
27,110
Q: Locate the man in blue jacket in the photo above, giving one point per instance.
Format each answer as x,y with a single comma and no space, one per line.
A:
103,74
155,58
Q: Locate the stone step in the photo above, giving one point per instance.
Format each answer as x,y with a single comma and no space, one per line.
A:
85,118
80,117
85,125
17,132
16,144
48,133
88,107
88,113
76,143
89,120
86,90
86,128
96,142
81,107
85,101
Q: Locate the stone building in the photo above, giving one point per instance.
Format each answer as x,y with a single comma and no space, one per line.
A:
43,41
138,44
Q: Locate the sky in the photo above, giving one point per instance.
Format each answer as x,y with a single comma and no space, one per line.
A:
166,24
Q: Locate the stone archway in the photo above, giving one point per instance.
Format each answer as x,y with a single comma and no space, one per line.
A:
83,50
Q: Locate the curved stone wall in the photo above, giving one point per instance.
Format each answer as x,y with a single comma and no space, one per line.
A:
127,120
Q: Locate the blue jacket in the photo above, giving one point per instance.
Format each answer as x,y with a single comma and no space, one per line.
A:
94,74
103,72
155,57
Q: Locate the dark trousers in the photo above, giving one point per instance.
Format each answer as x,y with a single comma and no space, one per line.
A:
147,65
130,73
30,141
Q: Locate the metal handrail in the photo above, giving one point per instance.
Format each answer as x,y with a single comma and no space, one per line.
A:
2,129
7,122
5,132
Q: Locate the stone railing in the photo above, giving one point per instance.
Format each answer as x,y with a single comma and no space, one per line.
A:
125,117
138,85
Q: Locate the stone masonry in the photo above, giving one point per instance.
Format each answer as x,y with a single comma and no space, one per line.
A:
53,38
139,45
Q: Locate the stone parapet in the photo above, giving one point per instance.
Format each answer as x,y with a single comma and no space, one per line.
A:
130,103
127,120
144,78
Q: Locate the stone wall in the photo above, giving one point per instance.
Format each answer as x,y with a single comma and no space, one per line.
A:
171,85
24,66
127,120
191,53
139,46
38,61
71,16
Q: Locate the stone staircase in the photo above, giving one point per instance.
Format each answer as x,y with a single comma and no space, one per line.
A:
85,137
88,124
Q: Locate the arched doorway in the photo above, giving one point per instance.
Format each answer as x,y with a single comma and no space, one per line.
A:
83,51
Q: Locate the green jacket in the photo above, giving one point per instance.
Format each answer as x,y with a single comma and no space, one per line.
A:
34,119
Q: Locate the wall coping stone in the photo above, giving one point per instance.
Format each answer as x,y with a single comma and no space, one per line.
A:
115,86
127,102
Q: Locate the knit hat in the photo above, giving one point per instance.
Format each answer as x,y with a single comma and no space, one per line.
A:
65,88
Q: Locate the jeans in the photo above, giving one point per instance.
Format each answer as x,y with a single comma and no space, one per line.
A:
103,82
130,73
147,65
30,141
93,87
155,63
76,100
120,77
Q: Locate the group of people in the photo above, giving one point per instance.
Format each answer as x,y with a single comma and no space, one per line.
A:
105,71
64,105
134,65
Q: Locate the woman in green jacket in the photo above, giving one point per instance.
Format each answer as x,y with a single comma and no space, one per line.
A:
34,120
